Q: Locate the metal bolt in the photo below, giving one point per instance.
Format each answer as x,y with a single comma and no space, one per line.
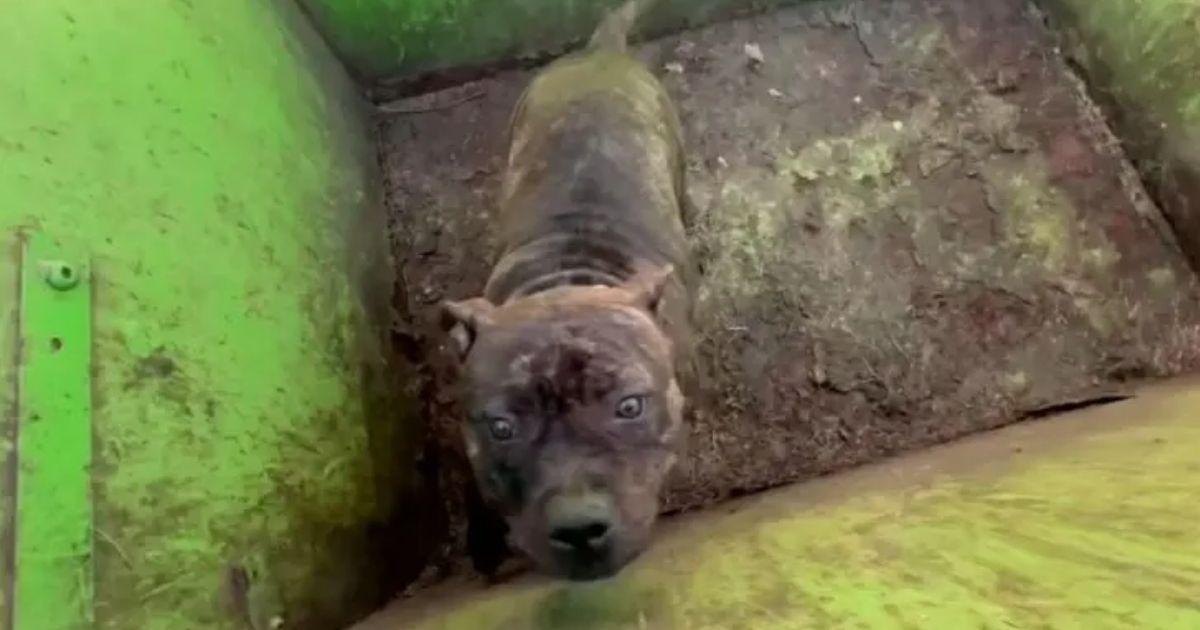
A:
59,274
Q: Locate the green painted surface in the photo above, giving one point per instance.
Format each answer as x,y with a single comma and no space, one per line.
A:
1142,58
212,163
1149,45
380,39
53,587
1085,521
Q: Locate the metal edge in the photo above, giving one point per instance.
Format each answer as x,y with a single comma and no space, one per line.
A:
53,583
11,250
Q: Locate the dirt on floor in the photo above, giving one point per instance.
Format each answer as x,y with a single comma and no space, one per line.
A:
912,225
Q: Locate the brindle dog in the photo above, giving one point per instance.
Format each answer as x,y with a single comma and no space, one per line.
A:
570,359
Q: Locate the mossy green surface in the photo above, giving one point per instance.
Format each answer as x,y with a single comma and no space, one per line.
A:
1085,521
1142,59
388,38
1148,45
210,161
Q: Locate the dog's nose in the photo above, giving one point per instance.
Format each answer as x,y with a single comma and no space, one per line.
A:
589,536
580,522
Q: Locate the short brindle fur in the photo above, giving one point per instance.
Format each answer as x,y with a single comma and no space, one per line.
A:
570,358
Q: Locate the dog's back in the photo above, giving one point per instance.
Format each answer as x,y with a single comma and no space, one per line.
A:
594,181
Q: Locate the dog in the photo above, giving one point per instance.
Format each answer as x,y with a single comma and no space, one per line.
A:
570,359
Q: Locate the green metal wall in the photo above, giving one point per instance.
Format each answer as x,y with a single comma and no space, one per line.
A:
206,167
381,39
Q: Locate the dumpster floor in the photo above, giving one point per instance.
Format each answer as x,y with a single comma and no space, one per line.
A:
1085,520
912,225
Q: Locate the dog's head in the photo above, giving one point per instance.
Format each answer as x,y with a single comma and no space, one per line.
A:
574,416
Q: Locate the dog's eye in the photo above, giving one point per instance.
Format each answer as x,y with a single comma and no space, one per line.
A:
502,429
630,407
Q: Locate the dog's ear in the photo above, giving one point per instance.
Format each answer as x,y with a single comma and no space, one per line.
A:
646,287
466,320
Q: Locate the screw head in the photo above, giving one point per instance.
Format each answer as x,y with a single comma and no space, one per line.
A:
60,274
